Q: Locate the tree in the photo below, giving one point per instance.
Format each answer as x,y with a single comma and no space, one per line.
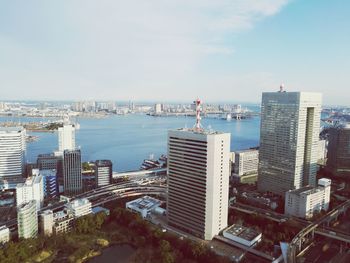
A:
100,218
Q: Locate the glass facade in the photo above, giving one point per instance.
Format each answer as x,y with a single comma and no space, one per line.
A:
289,135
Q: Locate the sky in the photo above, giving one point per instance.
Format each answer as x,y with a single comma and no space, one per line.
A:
173,50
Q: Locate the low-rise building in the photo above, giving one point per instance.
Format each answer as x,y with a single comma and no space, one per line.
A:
79,207
46,222
304,201
242,235
27,219
246,162
4,234
100,209
31,189
63,222
144,205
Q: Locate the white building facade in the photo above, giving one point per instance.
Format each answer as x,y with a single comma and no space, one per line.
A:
198,181
246,162
243,235
31,189
79,207
63,222
27,220
12,151
289,136
66,137
4,234
305,201
46,222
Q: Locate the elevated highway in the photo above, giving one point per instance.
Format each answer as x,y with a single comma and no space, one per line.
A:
297,241
109,193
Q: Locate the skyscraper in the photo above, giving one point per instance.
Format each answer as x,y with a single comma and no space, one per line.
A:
338,158
289,136
12,152
198,181
66,137
103,172
72,179
27,219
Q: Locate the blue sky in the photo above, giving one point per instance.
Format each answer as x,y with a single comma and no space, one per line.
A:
168,50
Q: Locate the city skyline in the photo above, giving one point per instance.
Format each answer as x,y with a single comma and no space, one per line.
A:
139,51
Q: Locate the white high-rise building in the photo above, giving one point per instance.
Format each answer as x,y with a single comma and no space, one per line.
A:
289,136
304,201
66,137
27,219
198,181
31,189
158,108
12,152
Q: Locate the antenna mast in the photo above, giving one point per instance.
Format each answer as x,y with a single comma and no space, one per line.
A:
198,114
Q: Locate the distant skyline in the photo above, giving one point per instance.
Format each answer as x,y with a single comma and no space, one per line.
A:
163,50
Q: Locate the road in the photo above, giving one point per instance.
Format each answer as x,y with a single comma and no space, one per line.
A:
148,185
308,229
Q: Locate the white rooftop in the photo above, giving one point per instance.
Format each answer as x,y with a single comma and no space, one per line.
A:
145,202
11,129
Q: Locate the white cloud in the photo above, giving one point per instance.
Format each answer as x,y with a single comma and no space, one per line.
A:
116,49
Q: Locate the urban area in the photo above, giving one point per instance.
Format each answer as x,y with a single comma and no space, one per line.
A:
285,200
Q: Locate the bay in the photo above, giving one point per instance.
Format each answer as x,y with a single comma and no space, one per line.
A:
127,140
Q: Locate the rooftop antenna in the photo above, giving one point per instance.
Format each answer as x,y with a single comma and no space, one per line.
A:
198,125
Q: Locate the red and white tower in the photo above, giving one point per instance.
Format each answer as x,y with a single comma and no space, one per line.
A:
198,114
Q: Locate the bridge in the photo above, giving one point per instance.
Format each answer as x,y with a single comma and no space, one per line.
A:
295,247
137,174
109,193
321,229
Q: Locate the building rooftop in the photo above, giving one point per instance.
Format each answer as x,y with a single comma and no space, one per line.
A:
242,232
26,205
302,190
11,129
78,202
62,215
145,202
49,172
200,131
307,190
3,227
47,212
99,209
103,163
246,150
